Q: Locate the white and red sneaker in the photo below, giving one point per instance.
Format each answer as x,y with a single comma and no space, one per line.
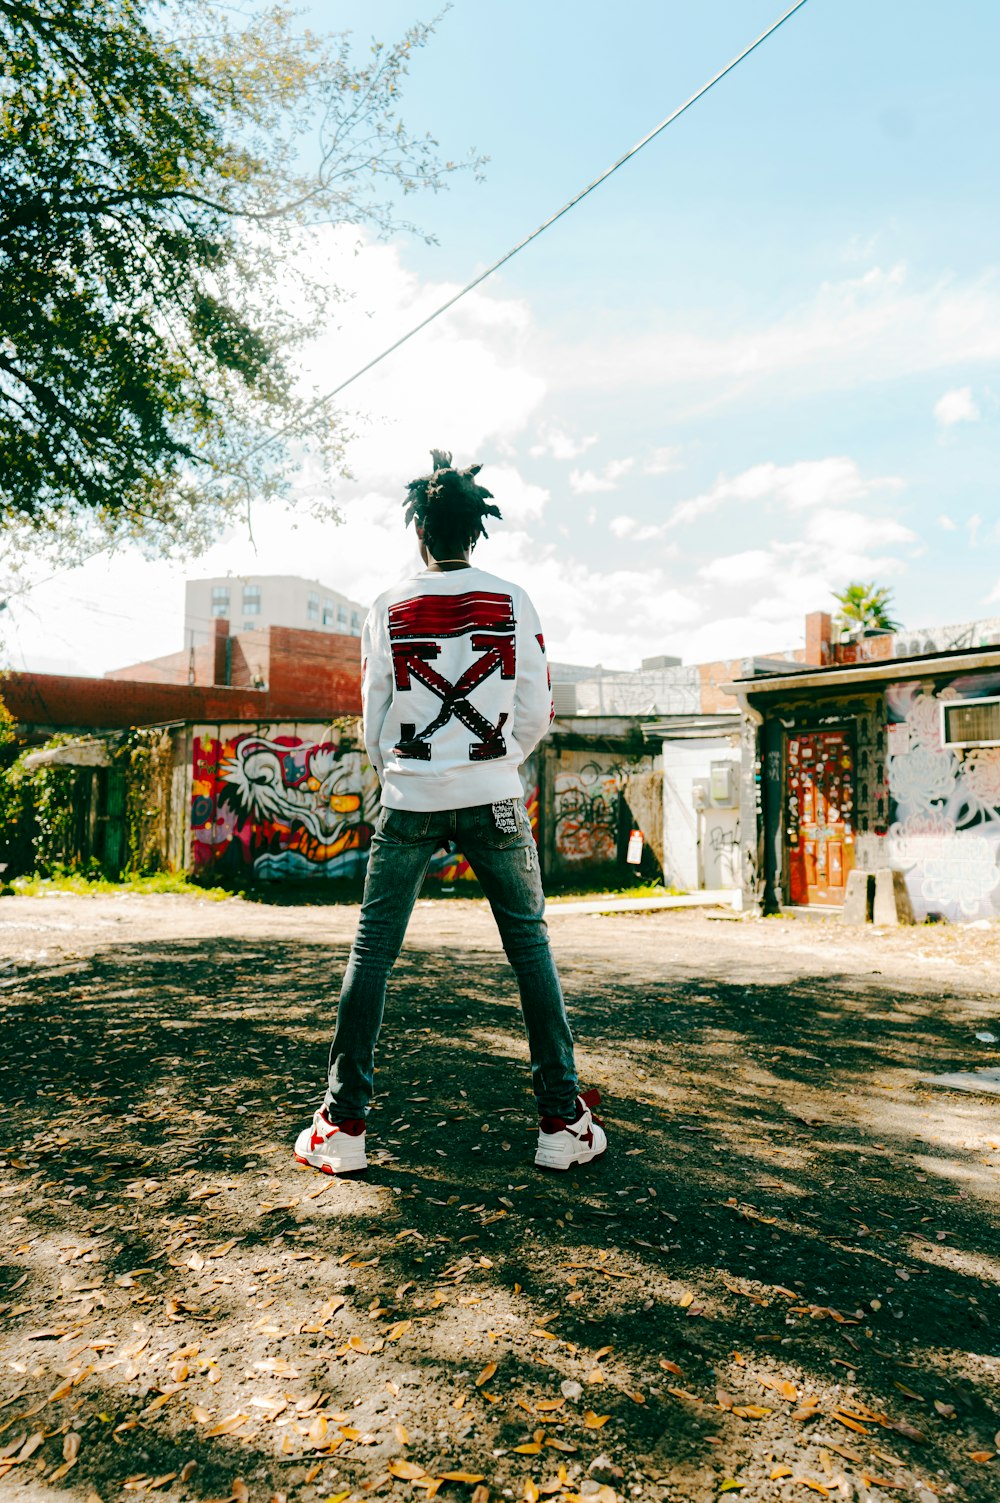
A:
563,1145
334,1147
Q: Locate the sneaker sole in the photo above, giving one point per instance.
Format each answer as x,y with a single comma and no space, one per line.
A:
328,1168
575,1163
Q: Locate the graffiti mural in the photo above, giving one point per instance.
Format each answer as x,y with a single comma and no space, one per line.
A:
586,814
944,807
279,806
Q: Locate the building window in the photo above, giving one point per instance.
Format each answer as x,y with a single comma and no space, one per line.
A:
312,607
220,600
251,600
356,623
328,614
341,615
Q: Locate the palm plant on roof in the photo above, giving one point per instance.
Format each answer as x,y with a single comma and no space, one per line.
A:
863,608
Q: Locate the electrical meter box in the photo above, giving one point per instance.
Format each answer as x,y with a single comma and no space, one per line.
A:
722,784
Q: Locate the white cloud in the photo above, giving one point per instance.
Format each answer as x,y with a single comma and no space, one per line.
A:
458,384
591,614
809,483
973,525
875,327
559,445
858,531
994,594
633,530
663,461
947,524
740,568
956,407
589,482
518,499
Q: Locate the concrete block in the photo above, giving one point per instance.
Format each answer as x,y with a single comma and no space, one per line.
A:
859,898
892,901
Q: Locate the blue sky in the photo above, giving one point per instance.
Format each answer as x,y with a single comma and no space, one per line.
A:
762,360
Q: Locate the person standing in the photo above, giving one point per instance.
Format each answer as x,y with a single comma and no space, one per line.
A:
455,697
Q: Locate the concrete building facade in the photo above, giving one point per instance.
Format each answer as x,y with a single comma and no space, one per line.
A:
893,765
253,602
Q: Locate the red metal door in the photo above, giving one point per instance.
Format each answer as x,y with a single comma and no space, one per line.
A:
819,815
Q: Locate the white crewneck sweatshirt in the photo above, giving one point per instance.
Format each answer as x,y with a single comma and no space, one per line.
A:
455,689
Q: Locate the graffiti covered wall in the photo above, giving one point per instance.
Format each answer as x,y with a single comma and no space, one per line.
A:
289,802
585,806
279,803
944,806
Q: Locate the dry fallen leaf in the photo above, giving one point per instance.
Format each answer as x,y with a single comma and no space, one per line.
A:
407,1470
399,1329
910,1394
402,1435
462,1476
222,1249
240,1491
486,1374
981,1455
71,1446
228,1425
777,1472
851,1424
594,1421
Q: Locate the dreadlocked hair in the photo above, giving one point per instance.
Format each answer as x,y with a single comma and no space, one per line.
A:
448,507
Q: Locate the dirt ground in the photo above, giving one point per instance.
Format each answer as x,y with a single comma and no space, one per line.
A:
781,1282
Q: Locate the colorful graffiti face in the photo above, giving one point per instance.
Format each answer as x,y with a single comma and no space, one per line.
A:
281,807
945,809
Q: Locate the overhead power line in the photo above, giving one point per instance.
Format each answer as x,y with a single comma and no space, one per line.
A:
545,225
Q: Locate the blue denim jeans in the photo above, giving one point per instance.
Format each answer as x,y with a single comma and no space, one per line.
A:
506,863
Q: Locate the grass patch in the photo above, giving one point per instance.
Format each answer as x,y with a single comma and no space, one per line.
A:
96,886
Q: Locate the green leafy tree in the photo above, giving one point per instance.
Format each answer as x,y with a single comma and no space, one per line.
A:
161,168
864,607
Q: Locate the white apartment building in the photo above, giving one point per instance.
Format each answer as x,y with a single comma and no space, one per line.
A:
251,602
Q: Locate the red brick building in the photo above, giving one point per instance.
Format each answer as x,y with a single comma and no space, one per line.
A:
278,673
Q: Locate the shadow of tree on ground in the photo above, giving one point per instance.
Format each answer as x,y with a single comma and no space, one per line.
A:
786,1271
